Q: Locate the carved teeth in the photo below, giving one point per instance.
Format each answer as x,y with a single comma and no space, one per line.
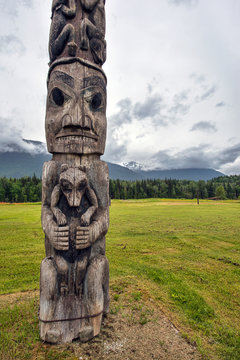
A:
71,138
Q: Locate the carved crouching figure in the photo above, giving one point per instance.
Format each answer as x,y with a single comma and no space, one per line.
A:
92,29
72,222
73,186
62,33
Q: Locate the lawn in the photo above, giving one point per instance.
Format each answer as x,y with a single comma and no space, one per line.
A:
183,256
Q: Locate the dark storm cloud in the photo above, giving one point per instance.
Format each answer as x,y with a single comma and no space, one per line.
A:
202,156
204,126
11,44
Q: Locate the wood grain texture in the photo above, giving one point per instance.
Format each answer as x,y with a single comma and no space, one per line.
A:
74,277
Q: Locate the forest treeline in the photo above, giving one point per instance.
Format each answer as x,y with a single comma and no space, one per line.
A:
28,189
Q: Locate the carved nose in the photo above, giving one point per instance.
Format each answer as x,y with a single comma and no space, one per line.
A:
76,199
74,118
77,118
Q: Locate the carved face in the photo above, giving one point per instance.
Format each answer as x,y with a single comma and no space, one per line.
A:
73,184
76,110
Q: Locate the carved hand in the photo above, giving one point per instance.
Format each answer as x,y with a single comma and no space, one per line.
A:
61,218
85,219
60,238
82,238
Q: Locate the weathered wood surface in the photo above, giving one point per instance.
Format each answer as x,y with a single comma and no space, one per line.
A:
74,280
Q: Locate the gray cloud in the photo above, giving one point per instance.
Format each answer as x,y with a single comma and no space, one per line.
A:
11,44
204,126
183,2
207,94
202,156
11,7
149,108
197,78
220,104
124,115
11,139
190,158
180,109
115,153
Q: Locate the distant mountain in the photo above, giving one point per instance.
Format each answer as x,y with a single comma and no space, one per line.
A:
20,163
182,174
123,173
133,165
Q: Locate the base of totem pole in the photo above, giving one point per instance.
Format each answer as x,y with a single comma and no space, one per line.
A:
68,316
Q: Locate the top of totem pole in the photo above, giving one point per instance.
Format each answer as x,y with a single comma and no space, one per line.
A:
78,33
76,103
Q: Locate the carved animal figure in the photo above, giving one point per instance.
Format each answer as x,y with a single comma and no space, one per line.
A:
61,32
92,29
73,184
73,245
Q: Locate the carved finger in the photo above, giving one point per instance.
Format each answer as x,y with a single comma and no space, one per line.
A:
62,234
63,228
82,228
82,246
61,240
61,248
81,237
63,245
83,242
80,231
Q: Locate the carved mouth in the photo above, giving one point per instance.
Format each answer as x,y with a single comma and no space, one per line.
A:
75,135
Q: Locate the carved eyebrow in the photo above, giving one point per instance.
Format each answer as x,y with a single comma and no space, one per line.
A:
61,76
94,81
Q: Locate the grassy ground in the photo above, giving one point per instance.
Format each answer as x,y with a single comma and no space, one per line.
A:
185,257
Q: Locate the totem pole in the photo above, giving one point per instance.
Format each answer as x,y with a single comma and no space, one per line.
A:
74,280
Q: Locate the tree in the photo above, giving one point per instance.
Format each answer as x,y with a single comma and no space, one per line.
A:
220,192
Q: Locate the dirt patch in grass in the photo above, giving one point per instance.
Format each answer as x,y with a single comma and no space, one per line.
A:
190,203
123,339
134,329
17,298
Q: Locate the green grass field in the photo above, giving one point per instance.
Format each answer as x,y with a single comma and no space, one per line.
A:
184,256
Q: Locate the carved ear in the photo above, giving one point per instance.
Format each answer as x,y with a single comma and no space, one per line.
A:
83,168
64,167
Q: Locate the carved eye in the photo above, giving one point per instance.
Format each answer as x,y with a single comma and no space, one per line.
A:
57,96
82,185
66,186
96,101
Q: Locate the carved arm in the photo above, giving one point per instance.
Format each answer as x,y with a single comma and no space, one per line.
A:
71,10
86,217
89,5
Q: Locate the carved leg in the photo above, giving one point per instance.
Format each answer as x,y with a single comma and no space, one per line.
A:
84,33
48,292
97,296
66,36
63,271
81,267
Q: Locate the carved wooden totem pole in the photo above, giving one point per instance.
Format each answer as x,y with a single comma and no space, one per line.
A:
74,277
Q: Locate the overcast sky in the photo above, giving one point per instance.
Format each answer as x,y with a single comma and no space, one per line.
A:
173,71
